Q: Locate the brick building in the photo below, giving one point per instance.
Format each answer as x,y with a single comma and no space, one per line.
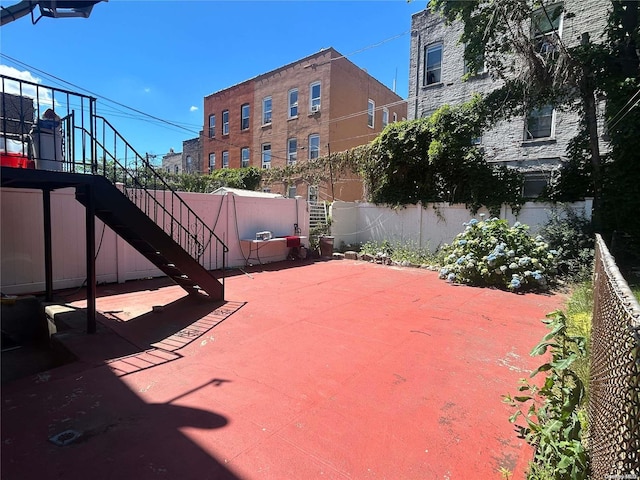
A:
322,103
535,143
192,155
172,162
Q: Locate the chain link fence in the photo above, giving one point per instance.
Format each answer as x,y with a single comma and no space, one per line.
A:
614,398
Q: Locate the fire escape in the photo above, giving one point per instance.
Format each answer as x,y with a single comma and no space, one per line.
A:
64,143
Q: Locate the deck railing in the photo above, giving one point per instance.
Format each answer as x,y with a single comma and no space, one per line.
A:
59,130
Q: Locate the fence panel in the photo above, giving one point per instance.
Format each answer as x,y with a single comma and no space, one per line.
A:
614,386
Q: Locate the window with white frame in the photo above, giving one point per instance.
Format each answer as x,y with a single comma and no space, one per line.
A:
540,123
395,117
244,157
212,162
189,164
293,103
385,117
244,117
225,159
266,155
371,109
314,97
546,28
212,126
292,151
312,194
314,146
432,64
266,110
481,66
225,122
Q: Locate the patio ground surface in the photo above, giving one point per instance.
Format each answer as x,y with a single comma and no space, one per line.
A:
331,369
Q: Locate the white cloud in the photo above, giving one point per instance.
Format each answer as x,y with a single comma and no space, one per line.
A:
15,73
147,90
193,108
27,90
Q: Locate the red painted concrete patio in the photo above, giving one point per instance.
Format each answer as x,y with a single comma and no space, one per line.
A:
333,369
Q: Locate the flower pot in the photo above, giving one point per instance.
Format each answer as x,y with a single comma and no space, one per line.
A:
326,246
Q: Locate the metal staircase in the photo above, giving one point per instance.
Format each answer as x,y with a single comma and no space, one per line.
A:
318,214
119,184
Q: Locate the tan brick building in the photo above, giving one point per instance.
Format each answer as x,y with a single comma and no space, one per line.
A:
322,103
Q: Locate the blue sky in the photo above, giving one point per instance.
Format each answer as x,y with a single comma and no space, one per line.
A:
162,57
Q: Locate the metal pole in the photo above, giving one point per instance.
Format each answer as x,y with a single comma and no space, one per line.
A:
333,195
48,257
91,259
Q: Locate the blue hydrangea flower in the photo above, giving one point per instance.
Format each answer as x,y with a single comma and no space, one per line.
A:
462,242
473,221
451,277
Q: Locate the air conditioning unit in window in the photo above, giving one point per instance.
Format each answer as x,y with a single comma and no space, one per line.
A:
315,108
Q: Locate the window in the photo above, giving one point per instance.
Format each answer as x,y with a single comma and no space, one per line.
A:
291,192
385,117
314,146
266,155
244,117
312,193
212,126
212,162
476,141
432,64
314,97
540,123
266,190
292,151
534,184
176,169
225,122
225,159
395,117
266,110
481,68
293,103
244,157
546,28
371,108
189,164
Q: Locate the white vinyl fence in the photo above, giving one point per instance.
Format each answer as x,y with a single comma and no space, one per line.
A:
427,226
231,217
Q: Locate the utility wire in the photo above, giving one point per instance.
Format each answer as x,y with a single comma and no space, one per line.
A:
18,62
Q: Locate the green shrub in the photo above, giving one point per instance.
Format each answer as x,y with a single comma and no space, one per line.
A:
407,252
490,253
572,236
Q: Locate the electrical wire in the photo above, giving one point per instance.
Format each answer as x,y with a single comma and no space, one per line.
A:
140,112
622,111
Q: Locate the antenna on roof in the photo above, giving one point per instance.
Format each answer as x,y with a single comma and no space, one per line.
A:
395,79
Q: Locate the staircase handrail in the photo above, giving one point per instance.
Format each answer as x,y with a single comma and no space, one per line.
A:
158,181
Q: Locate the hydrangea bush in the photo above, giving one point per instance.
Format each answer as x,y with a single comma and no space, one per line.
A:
490,253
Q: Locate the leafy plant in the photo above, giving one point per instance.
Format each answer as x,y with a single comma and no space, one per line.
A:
490,253
572,236
550,412
404,253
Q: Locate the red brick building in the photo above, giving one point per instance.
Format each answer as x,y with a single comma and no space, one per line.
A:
322,103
